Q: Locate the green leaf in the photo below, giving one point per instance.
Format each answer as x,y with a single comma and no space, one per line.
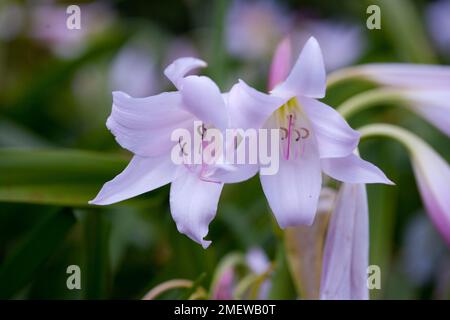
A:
282,283
58,73
21,265
218,56
96,245
14,135
404,26
57,177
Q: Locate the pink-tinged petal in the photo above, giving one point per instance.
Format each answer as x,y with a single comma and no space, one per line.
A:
249,108
281,63
433,179
176,71
193,204
346,252
353,169
308,77
223,289
293,192
432,105
140,176
144,125
203,99
405,75
335,137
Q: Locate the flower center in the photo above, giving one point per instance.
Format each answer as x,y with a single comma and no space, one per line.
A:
293,129
203,170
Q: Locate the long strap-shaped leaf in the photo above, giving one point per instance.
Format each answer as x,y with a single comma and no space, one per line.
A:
22,264
55,177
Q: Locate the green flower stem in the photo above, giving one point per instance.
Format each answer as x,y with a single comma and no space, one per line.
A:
369,99
166,286
383,206
343,75
405,137
218,56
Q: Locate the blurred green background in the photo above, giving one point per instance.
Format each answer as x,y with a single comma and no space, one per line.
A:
55,150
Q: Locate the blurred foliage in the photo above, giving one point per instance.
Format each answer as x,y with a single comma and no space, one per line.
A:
56,153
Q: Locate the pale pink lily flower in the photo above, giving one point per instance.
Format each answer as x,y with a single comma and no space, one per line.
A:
144,126
314,137
346,252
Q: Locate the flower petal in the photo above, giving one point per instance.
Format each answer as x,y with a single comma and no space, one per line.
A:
281,63
193,204
140,176
293,192
346,252
407,75
308,77
433,179
433,105
250,108
202,98
181,67
240,172
144,125
335,138
353,169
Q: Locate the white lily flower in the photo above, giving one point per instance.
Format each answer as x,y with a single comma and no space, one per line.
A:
144,126
314,137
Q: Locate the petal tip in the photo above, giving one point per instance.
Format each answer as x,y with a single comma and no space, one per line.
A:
312,41
390,182
206,243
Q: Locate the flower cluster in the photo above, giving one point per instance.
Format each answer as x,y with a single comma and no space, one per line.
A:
315,139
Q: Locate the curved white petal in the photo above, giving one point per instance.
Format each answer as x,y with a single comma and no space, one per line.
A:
249,108
335,137
433,179
140,176
144,125
308,77
353,169
202,98
193,204
178,69
346,252
293,192
239,173
433,105
406,75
